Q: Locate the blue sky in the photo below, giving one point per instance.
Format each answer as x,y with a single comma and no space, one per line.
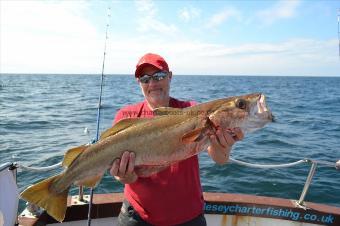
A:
289,37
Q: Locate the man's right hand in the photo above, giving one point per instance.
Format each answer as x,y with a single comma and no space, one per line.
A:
123,169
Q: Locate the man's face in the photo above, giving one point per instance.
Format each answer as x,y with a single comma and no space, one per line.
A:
155,92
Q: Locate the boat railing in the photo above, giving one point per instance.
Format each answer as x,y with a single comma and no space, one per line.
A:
299,203
311,173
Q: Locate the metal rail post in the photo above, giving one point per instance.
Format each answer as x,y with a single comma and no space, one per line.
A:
307,184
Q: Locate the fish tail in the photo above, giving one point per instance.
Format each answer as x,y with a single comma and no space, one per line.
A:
40,194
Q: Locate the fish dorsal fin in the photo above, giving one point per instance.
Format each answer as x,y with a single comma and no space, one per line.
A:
193,136
121,125
72,154
168,111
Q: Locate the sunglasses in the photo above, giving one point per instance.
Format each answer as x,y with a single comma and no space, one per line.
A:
158,76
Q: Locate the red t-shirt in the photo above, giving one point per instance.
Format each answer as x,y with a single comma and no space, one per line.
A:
172,196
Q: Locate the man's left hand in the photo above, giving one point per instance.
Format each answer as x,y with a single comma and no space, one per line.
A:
221,143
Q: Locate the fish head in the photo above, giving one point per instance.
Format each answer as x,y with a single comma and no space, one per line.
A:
248,112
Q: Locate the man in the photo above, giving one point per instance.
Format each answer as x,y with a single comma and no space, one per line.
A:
164,195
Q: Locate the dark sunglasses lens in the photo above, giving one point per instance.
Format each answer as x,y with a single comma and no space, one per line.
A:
145,79
156,77
159,76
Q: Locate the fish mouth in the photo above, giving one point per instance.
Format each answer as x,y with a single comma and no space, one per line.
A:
259,115
262,109
261,104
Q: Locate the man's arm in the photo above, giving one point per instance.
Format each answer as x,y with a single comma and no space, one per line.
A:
221,144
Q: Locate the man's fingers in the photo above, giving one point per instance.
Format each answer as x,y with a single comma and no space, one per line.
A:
228,138
238,134
123,169
131,164
214,141
123,164
221,143
115,167
221,138
225,138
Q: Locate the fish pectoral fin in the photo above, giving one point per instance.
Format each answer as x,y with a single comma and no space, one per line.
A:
193,136
40,194
121,125
72,154
90,182
168,111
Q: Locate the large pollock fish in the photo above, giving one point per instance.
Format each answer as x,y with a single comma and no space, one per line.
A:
171,136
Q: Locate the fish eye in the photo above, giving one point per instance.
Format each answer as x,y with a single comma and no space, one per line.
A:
241,104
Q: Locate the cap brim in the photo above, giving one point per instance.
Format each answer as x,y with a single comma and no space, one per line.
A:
140,68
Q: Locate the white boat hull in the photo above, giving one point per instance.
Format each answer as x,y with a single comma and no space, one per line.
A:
212,220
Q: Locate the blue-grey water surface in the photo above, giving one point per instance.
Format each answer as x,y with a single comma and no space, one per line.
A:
41,116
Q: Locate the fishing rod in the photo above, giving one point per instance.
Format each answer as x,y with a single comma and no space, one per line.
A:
99,106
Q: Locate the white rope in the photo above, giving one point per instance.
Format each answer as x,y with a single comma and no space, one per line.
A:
52,167
269,166
39,169
238,162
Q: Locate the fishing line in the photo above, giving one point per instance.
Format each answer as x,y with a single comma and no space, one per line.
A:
99,106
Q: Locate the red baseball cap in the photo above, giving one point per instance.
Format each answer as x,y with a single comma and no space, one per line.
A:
151,59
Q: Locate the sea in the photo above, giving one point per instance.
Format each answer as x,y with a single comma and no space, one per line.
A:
43,115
